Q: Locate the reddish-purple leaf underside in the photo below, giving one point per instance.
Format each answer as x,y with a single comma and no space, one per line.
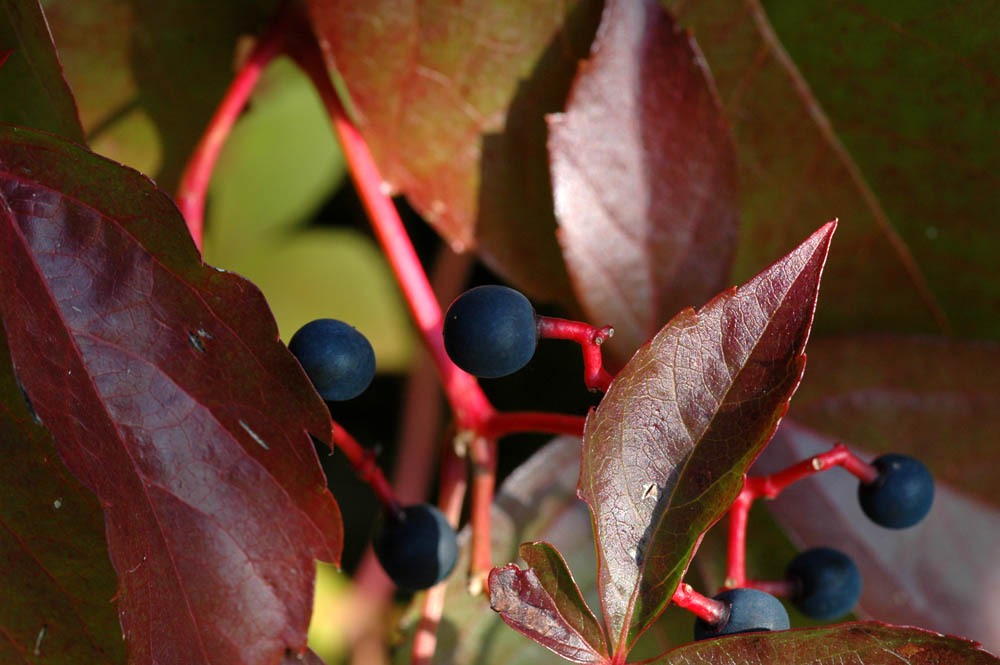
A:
545,604
644,176
168,394
865,643
665,451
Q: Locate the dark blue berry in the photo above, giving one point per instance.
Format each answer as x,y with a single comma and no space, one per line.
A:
901,495
417,549
337,358
489,331
827,583
750,611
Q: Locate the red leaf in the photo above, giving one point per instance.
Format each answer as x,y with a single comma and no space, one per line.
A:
665,452
451,97
910,394
862,643
54,569
168,394
940,574
644,176
527,605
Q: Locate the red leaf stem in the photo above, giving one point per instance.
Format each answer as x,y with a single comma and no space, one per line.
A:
502,424
709,610
772,485
589,338
483,452
198,171
363,462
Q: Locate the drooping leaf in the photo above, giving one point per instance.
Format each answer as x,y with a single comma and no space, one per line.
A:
33,92
537,609
866,643
148,76
451,98
168,394
931,152
644,176
935,398
939,574
665,452
793,170
55,575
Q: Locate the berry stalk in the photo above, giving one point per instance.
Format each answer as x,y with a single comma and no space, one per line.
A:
770,486
589,338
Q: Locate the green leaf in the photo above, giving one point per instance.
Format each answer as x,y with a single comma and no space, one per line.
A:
915,99
34,92
794,173
276,168
451,99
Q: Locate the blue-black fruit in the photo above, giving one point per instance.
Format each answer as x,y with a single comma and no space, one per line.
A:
750,611
827,583
418,548
901,495
337,358
490,331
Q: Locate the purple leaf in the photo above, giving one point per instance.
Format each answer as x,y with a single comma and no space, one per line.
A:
526,605
665,452
940,574
167,394
862,643
644,176
545,604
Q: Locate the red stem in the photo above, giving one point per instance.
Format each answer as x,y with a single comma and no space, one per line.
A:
362,461
709,610
483,452
589,338
468,402
772,485
198,172
504,423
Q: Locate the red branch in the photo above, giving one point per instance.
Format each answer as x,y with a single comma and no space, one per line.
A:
589,338
363,462
198,172
709,610
770,486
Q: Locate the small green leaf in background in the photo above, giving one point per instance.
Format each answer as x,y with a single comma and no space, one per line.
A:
277,168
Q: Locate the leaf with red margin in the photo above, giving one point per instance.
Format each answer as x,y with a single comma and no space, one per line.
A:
644,176
451,98
30,65
665,451
55,575
544,604
168,394
865,643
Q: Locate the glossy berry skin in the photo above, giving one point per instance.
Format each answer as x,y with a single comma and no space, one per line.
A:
901,495
489,331
750,611
418,549
337,358
827,583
